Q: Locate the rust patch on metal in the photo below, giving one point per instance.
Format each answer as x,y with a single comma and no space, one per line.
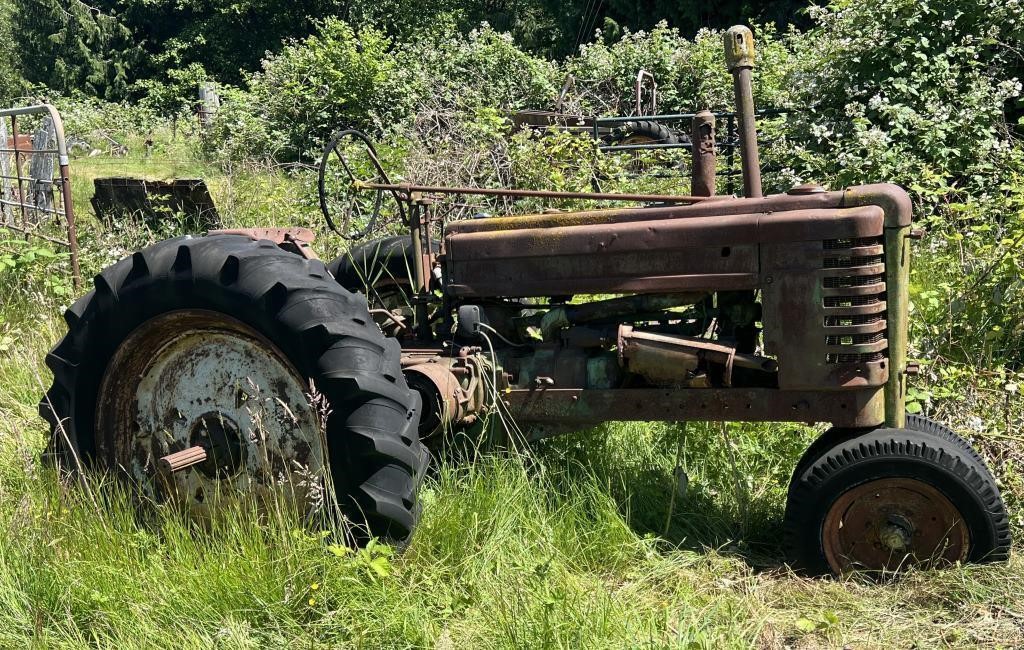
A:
675,360
294,240
702,253
702,135
451,386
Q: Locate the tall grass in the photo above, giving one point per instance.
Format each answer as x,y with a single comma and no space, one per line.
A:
560,545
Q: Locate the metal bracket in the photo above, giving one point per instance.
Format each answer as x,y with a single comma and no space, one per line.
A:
293,240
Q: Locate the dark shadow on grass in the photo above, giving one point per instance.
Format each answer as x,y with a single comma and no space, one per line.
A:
700,520
710,515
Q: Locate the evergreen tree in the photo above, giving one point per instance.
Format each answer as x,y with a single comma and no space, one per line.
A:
10,73
70,46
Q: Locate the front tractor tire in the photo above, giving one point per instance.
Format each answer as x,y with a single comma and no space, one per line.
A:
256,356
879,501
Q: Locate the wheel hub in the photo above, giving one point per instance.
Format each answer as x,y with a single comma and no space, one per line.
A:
218,434
885,524
196,378
897,534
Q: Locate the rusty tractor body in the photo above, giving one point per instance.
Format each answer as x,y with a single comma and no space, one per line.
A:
787,307
827,299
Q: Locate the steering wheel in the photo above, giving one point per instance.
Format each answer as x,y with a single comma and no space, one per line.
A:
349,161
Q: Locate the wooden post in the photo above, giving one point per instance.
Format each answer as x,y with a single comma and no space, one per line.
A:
209,102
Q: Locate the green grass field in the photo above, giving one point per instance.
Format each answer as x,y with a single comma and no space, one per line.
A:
571,543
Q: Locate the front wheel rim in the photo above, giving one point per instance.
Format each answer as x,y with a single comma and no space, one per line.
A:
887,524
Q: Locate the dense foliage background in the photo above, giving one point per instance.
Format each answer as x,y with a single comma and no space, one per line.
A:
119,48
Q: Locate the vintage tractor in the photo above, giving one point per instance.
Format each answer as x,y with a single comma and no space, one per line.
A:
238,363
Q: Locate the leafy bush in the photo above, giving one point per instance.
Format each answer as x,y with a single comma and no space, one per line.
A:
335,79
484,69
176,91
969,294
241,131
691,74
84,116
340,78
34,270
906,90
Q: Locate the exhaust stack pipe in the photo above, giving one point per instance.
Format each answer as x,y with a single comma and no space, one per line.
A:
739,57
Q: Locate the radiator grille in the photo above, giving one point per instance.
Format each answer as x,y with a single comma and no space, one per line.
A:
840,244
858,347
848,262
854,281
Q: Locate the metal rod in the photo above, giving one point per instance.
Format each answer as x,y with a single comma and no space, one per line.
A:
17,167
619,119
540,194
32,233
730,164
421,273
180,460
14,178
32,207
69,216
739,55
750,159
418,271
49,151
678,117
702,134
645,147
571,129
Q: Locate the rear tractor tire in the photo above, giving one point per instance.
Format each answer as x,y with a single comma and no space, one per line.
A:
251,357
378,263
881,500
383,270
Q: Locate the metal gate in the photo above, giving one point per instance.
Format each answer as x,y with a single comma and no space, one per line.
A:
727,140
35,179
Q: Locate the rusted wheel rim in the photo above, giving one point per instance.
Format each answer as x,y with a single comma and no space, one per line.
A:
197,377
637,162
639,139
888,524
